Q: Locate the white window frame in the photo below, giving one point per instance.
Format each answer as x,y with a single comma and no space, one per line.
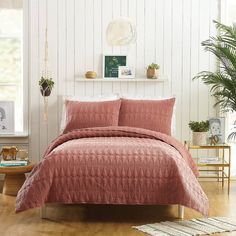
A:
26,67
25,75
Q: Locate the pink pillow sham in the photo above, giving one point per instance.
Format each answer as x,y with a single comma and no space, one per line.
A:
91,114
154,115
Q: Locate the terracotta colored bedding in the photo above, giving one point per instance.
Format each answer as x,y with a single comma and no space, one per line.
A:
114,165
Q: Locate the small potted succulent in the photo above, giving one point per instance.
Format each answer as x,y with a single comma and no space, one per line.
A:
46,85
200,130
152,71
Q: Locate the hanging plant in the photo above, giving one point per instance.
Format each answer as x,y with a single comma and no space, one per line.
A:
46,85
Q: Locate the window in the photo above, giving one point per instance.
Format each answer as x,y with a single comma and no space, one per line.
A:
232,11
11,57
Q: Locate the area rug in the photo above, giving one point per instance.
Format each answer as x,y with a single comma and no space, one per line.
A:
200,226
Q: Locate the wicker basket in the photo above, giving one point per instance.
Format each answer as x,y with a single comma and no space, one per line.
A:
199,138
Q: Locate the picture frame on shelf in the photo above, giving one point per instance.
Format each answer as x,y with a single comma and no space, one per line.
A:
216,130
126,72
111,65
7,117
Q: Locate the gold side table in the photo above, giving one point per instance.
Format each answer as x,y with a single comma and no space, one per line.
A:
222,166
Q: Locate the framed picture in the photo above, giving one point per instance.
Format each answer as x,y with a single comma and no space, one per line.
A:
126,72
6,117
217,130
111,64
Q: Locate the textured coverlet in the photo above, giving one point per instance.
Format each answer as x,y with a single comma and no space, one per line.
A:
114,165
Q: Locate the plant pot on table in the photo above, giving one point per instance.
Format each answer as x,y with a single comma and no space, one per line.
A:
199,138
152,73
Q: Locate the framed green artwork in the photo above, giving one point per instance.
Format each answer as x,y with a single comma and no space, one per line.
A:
111,65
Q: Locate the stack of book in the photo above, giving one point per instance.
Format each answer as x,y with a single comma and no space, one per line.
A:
14,163
209,160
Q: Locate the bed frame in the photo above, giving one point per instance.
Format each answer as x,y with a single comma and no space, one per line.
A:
43,212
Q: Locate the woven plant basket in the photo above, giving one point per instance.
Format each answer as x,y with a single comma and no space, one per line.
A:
199,138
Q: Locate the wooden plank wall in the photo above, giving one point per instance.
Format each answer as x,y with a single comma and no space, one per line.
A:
169,32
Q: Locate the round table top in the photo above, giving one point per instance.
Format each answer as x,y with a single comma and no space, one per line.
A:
16,169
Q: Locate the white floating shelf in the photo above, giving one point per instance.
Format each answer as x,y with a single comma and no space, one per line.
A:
160,79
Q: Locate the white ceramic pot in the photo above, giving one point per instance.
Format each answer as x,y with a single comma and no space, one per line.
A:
199,138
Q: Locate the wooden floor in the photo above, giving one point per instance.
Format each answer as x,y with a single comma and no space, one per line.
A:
105,220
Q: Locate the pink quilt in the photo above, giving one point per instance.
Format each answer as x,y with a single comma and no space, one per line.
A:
114,165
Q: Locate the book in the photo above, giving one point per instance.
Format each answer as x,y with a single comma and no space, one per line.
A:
209,160
14,163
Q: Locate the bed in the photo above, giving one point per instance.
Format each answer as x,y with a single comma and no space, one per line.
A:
134,162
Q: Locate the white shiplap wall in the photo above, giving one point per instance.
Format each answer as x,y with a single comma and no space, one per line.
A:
169,32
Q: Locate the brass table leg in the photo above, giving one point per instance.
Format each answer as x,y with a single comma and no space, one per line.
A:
223,169
229,170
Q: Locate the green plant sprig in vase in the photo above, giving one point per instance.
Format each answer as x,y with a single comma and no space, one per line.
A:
196,126
152,71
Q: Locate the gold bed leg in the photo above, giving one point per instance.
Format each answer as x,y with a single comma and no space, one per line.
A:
43,212
180,211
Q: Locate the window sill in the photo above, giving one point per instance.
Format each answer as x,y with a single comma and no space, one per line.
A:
15,135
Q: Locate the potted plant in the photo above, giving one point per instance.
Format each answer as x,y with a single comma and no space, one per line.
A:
200,130
46,85
222,81
152,71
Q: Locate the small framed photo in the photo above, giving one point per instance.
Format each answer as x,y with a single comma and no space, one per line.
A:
126,72
111,64
7,117
217,130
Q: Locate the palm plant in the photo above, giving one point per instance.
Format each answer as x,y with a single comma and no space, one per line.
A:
223,81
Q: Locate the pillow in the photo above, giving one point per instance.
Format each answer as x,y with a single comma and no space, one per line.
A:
111,97
147,114
141,97
91,114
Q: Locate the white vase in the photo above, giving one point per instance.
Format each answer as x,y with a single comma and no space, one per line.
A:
199,138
